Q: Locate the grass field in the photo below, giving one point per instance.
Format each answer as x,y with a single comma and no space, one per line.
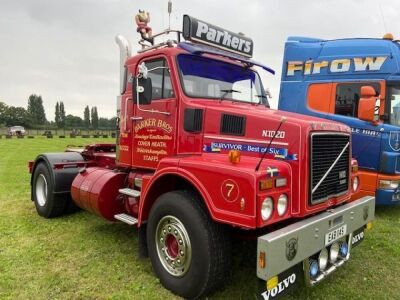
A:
81,256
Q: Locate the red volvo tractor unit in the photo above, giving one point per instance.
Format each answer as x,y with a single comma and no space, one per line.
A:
198,153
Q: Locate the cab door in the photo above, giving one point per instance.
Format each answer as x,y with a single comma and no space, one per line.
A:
154,124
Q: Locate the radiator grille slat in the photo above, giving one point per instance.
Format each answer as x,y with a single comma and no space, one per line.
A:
324,150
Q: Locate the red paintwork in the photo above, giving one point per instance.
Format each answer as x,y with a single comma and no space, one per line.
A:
179,155
96,190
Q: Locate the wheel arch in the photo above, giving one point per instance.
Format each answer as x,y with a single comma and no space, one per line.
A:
172,181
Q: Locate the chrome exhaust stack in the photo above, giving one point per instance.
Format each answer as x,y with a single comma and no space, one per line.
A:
125,51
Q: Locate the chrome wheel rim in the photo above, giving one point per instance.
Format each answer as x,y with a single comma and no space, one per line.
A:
173,246
41,190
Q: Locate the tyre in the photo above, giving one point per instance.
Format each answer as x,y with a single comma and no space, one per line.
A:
48,204
189,252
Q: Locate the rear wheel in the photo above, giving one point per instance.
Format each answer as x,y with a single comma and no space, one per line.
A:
48,204
190,253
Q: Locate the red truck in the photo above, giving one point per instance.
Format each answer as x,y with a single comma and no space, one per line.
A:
199,152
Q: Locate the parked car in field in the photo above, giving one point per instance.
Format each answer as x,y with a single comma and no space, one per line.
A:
16,130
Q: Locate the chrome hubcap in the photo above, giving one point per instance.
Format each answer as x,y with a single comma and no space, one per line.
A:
173,246
41,190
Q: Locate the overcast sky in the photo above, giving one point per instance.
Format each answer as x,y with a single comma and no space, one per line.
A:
65,50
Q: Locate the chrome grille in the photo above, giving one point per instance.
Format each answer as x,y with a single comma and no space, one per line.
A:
327,178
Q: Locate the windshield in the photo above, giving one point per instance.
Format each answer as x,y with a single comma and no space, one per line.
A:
395,106
203,77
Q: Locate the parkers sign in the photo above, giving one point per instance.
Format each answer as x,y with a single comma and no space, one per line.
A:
202,32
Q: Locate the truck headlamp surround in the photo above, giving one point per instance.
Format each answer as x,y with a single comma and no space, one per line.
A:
266,208
388,184
282,204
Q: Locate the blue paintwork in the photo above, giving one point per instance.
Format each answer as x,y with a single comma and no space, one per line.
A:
370,143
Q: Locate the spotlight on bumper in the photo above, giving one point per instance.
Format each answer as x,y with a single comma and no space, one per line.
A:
334,252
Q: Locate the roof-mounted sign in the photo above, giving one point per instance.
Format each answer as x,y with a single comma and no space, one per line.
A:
202,32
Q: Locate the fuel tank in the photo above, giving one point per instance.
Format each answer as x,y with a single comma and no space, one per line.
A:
96,190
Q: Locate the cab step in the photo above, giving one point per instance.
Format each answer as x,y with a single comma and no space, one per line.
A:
130,192
126,219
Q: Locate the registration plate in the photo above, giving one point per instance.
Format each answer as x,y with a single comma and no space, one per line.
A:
335,234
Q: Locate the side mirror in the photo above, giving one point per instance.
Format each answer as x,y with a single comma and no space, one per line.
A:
142,88
367,105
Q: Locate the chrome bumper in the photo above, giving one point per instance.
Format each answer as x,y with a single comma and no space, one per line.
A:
291,245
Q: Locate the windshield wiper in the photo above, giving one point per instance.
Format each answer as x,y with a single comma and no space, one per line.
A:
226,92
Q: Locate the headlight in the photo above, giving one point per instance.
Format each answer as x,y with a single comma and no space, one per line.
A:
388,184
356,182
267,208
282,204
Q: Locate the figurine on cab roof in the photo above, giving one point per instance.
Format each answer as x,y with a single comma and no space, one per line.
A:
142,19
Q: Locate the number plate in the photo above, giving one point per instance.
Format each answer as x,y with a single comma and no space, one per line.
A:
335,234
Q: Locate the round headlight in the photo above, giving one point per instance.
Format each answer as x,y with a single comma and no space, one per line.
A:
333,254
282,204
266,208
356,182
323,259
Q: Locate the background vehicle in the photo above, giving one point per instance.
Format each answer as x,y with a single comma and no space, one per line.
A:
198,153
327,77
16,130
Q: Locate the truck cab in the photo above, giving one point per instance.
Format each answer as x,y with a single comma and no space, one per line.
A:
200,155
324,78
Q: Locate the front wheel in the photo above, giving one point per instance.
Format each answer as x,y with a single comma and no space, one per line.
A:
190,253
48,204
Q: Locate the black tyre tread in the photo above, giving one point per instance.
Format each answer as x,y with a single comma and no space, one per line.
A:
55,204
219,249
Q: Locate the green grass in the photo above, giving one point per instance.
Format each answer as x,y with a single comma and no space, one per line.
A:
81,256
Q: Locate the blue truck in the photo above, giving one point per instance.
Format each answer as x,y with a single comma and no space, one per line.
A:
325,78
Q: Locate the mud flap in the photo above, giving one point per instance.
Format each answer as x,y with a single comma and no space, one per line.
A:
286,281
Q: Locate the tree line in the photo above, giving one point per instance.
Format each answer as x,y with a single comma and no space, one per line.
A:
34,116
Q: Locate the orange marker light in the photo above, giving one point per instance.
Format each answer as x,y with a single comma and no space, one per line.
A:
261,260
234,156
388,36
266,184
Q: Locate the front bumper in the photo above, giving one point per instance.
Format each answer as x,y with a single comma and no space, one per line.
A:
291,245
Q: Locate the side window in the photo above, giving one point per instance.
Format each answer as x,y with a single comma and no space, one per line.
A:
160,79
348,96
